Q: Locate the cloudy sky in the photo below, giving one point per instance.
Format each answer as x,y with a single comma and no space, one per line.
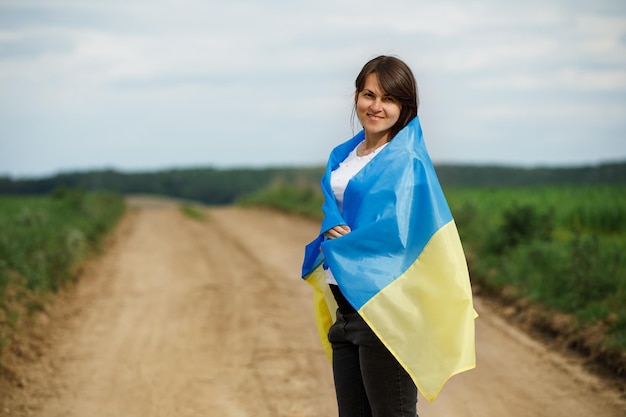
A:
153,84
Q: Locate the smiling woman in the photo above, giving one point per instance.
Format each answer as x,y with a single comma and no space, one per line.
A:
394,304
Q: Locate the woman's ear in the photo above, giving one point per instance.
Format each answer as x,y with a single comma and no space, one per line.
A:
356,96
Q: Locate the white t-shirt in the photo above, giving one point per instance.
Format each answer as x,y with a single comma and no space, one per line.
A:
339,179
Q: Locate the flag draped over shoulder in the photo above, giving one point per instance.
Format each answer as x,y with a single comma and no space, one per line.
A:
402,266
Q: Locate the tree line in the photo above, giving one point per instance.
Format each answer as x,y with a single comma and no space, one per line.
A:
224,186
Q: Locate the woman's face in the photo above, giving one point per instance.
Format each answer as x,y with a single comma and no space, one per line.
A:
377,112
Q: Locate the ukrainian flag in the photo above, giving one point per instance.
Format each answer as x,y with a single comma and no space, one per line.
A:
402,266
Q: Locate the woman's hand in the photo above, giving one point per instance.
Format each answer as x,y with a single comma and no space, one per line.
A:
337,231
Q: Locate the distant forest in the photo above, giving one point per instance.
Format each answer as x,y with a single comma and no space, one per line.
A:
224,186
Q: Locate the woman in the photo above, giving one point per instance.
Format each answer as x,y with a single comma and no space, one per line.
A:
393,298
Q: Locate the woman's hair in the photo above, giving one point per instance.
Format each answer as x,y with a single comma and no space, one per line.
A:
396,80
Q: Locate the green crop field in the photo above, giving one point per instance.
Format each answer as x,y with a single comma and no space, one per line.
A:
564,247
42,240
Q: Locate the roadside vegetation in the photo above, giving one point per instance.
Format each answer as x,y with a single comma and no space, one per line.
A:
563,248
192,211
303,199
560,248
42,241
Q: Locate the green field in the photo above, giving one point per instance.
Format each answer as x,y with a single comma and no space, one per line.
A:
42,241
563,247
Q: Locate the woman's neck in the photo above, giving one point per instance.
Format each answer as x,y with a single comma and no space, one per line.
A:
371,144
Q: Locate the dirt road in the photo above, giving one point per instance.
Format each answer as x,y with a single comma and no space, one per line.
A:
182,317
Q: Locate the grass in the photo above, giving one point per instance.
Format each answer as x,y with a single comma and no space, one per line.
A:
193,212
288,198
562,247
42,241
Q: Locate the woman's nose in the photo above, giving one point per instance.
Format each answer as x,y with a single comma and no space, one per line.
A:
376,105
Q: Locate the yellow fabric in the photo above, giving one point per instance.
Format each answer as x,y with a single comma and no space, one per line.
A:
324,306
426,317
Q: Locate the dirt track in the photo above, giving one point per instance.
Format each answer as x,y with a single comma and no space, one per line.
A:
188,318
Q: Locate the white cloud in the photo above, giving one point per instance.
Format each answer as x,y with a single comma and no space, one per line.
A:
569,79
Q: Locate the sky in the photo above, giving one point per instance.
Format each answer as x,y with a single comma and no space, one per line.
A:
144,85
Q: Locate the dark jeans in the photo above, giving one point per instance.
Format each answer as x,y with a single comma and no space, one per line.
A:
369,381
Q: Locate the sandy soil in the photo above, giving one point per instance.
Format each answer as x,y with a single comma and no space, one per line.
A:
209,318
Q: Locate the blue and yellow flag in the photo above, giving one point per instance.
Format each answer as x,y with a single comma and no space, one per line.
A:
402,266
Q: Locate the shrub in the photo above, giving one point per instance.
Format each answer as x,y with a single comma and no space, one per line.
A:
521,224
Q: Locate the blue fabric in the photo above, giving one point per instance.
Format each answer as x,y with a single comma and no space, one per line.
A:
393,206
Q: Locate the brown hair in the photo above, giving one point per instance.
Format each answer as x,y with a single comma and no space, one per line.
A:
396,80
